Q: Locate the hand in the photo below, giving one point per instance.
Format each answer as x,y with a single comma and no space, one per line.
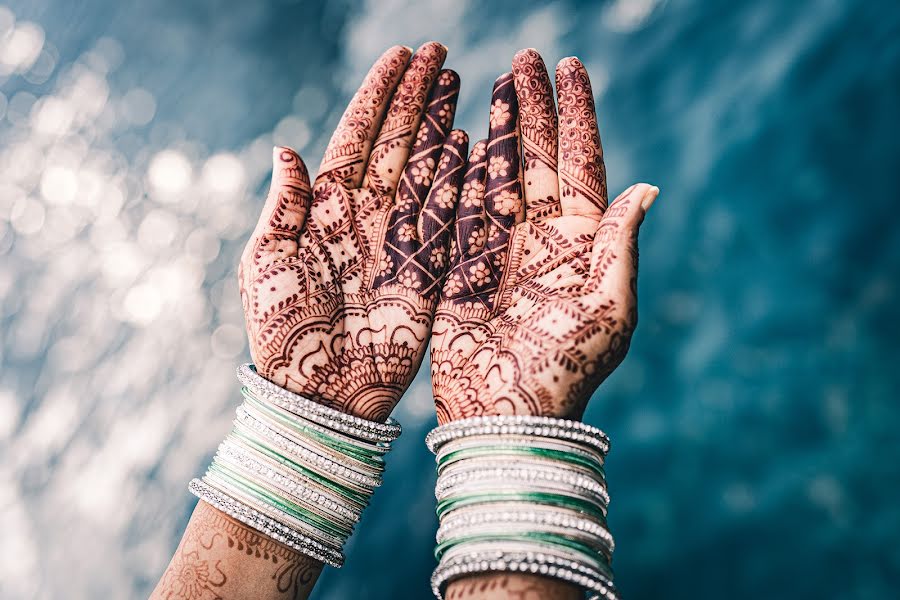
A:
540,302
339,282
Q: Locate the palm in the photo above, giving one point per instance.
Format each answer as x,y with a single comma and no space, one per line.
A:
535,315
340,280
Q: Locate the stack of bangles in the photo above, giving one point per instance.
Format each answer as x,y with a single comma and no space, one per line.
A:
522,494
296,470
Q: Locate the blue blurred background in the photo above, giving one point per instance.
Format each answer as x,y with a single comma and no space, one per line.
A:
754,421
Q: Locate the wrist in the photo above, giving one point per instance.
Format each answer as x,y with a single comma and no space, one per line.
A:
515,586
357,385
295,470
522,496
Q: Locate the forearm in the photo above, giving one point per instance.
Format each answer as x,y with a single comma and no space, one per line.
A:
219,557
511,586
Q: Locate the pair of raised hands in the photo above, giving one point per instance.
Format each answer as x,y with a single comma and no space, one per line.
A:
508,258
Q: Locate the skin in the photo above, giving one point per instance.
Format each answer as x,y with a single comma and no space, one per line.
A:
339,283
540,303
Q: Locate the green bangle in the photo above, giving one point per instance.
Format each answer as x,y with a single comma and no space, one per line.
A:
352,495
576,504
369,457
494,451
260,493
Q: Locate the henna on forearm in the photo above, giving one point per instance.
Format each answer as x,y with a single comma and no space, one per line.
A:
219,557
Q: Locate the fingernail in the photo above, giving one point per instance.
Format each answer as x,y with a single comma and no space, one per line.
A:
649,197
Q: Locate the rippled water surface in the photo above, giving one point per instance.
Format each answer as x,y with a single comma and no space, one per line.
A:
754,422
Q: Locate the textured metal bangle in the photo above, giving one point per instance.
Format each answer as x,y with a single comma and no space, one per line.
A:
520,442
315,411
276,439
310,442
518,425
496,472
363,449
264,524
512,513
546,563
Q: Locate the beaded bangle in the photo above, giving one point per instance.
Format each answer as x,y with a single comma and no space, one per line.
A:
522,494
296,470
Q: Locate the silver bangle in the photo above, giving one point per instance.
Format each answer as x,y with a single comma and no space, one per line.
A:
250,425
266,525
289,482
522,512
315,411
524,472
518,425
538,563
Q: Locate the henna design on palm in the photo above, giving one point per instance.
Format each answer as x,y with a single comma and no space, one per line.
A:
539,304
340,279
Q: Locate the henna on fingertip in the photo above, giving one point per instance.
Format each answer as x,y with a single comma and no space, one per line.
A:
539,129
348,150
582,173
401,122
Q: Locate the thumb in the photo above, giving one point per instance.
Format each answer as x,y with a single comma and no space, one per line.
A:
615,253
287,204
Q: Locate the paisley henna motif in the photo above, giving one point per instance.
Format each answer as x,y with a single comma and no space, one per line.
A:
339,282
535,314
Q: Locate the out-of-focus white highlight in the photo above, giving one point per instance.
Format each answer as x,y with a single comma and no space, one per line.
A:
629,15
292,132
228,341
223,174
59,185
170,172
142,304
21,47
52,116
138,106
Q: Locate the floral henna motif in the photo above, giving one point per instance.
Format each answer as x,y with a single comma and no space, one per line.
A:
533,320
339,283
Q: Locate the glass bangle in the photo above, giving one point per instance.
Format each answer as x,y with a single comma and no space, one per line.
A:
512,450
343,491
445,506
298,512
311,443
345,446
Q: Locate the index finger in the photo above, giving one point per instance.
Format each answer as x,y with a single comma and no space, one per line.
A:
349,148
